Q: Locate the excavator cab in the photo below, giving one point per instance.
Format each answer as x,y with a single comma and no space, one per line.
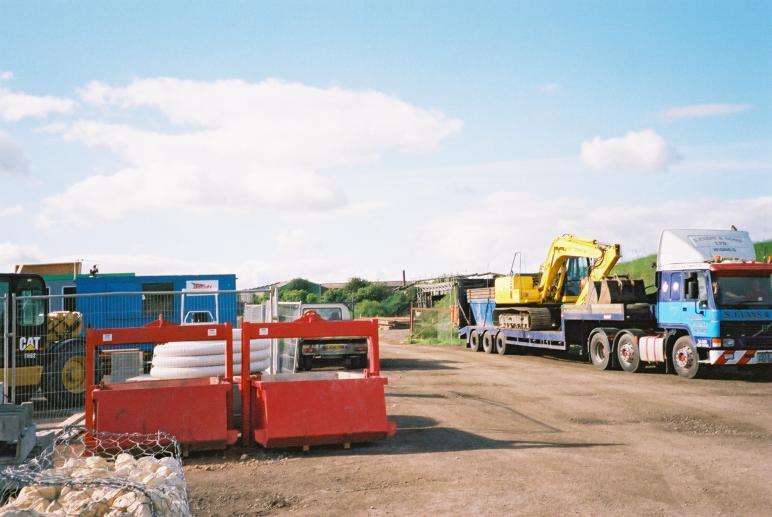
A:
576,275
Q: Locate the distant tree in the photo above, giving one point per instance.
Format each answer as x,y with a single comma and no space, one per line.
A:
335,296
295,295
369,308
300,284
375,291
354,284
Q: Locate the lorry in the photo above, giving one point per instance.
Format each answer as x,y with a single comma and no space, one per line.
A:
712,306
54,362
351,352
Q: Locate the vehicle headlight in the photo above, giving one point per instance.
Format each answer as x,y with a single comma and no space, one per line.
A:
728,341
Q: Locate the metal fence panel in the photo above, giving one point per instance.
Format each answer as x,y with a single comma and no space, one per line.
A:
433,325
5,393
44,352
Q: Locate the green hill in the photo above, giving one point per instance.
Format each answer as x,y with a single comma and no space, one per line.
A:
642,267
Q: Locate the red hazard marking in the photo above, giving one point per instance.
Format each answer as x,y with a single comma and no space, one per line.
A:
722,358
747,357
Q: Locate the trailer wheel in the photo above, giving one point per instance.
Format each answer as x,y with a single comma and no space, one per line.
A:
686,359
501,344
487,343
474,341
600,351
627,353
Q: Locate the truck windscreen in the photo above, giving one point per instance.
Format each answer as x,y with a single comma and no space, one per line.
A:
737,292
328,313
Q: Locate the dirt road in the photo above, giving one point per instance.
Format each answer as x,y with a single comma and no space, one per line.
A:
483,434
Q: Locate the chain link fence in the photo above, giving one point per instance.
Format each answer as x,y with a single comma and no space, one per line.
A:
434,325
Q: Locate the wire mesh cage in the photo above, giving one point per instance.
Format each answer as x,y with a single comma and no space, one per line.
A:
433,325
86,473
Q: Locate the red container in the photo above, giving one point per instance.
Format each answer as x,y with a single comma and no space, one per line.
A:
198,412
308,409
195,411
314,408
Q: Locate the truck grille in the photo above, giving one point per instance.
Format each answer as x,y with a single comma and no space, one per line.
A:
751,333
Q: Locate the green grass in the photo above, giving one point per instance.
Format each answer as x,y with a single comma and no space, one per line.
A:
642,267
638,268
763,249
445,341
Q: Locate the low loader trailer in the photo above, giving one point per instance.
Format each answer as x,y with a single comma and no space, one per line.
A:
712,307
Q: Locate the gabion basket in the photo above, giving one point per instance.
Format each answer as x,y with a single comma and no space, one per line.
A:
95,474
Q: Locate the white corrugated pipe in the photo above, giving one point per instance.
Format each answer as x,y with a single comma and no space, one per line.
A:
191,359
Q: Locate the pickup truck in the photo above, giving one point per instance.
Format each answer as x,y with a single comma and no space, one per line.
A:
350,352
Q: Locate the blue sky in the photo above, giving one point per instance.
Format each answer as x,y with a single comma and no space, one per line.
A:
503,125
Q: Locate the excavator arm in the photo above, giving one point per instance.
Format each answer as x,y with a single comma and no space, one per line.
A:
604,257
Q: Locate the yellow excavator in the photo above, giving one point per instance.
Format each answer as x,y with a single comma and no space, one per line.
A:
532,301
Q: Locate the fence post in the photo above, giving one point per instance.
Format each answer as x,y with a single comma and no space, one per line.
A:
12,337
6,343
411,319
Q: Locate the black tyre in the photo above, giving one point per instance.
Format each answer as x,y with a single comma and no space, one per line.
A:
474,341
356,362
627,353
487,343
305,363
64,375
686,359
600,351
501,344
363,362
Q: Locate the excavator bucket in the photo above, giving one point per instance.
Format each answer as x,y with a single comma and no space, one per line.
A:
616,290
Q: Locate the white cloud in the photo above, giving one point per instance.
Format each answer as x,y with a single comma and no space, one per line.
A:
6,76
549,88
637,150
12,254
467,241
296,240
702,111
12,159
231,142
15,106
11,210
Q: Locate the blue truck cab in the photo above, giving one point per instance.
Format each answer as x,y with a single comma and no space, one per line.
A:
714,301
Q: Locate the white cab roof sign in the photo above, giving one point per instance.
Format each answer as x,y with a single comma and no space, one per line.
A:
689,247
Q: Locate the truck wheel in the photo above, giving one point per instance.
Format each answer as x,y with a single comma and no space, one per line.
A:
501,344
474,341
627,353
64,378
487,343
600,351
686,359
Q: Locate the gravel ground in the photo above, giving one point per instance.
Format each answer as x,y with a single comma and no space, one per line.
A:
520,434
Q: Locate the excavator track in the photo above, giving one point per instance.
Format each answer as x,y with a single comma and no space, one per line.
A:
526,318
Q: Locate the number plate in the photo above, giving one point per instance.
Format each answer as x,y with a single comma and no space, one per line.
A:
764,357
333,347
